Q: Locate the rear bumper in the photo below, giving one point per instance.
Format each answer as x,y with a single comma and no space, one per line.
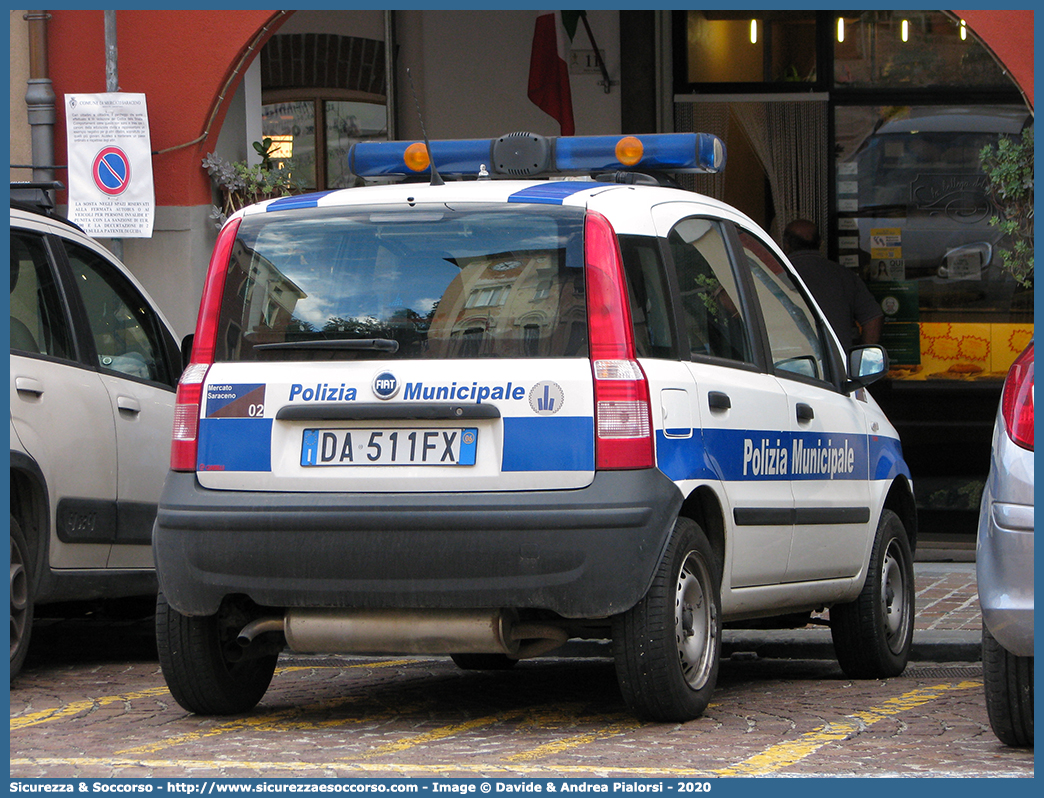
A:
1004,550
584,553
1004,573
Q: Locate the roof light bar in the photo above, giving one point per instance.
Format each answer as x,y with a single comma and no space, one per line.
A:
526,154
391,158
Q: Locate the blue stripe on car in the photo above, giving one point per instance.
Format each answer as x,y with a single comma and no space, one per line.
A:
297,201
548,443
235,444
769,455
553,193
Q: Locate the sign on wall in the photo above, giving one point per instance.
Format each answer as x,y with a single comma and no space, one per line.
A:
111,191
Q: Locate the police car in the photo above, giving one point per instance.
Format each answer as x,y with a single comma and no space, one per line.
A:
481,417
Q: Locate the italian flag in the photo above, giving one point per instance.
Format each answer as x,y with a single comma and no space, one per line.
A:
549,66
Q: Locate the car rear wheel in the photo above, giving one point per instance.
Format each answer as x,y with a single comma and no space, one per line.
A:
205,668
1008,681
873,634
667,647
21,598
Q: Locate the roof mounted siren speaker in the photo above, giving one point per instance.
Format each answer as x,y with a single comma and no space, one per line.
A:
521,154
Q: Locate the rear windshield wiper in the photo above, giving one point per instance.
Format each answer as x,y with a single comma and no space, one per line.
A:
375,344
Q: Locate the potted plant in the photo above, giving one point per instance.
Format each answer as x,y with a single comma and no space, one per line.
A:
240,184
1009,173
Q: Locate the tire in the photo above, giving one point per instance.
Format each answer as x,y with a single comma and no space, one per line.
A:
873,634
666,648
483,662
22,603
194,655
1008,681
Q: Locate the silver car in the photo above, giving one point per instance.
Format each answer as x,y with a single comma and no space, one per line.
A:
92,373
1005,562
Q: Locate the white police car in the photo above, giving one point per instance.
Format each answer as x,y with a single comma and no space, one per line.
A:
483,417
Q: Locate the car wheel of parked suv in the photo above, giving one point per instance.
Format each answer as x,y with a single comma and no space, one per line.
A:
1009,692
667,647
21,598
872,634
207,670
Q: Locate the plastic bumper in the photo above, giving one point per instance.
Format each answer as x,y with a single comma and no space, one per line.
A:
584,553
1004,572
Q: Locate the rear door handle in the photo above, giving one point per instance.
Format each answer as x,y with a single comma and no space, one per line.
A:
29,385
718,400
805,412
128,404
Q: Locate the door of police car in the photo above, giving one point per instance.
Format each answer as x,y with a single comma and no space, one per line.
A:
827,451
744,410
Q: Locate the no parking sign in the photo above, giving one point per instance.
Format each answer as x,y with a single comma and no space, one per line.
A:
110,164
111,171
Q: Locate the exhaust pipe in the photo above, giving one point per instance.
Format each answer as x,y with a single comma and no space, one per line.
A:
258,627
397,631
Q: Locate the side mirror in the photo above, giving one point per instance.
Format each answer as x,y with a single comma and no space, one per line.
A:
866,364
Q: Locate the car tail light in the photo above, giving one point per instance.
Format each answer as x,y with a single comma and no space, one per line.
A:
1017,400
189,401
623,424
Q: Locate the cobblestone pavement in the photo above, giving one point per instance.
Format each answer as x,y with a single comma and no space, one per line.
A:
92,704
947,597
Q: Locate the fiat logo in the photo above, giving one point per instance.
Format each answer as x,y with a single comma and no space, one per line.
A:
385,385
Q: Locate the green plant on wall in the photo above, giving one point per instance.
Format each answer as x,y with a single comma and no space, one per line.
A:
1009,172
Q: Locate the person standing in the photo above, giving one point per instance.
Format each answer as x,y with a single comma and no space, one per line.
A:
846,302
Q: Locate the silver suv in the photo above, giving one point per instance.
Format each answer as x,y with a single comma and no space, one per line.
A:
93,372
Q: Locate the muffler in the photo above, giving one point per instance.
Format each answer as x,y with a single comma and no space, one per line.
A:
397,631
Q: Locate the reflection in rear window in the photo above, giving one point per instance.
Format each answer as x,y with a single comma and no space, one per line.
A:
427,283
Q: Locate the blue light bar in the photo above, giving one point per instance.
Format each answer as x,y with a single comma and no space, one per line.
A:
388,158
529,154
663,152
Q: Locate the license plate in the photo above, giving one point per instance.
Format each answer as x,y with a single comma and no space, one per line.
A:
369,447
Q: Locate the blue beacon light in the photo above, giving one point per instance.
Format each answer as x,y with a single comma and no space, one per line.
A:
529,154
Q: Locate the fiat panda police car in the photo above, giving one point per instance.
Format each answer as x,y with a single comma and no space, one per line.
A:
482,417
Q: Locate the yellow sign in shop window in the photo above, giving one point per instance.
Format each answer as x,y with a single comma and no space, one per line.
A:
954,351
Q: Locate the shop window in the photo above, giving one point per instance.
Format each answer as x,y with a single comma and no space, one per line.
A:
322,93
312,136
913,218
915,49
750,46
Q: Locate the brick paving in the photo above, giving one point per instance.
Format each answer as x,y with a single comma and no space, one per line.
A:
104,713
947,597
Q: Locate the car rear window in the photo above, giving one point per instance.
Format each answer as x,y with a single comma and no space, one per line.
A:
419,283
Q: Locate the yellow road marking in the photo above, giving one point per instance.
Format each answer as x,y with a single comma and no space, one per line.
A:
186,767
769,761
277,721
790,753
76,707
442,733
621,726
